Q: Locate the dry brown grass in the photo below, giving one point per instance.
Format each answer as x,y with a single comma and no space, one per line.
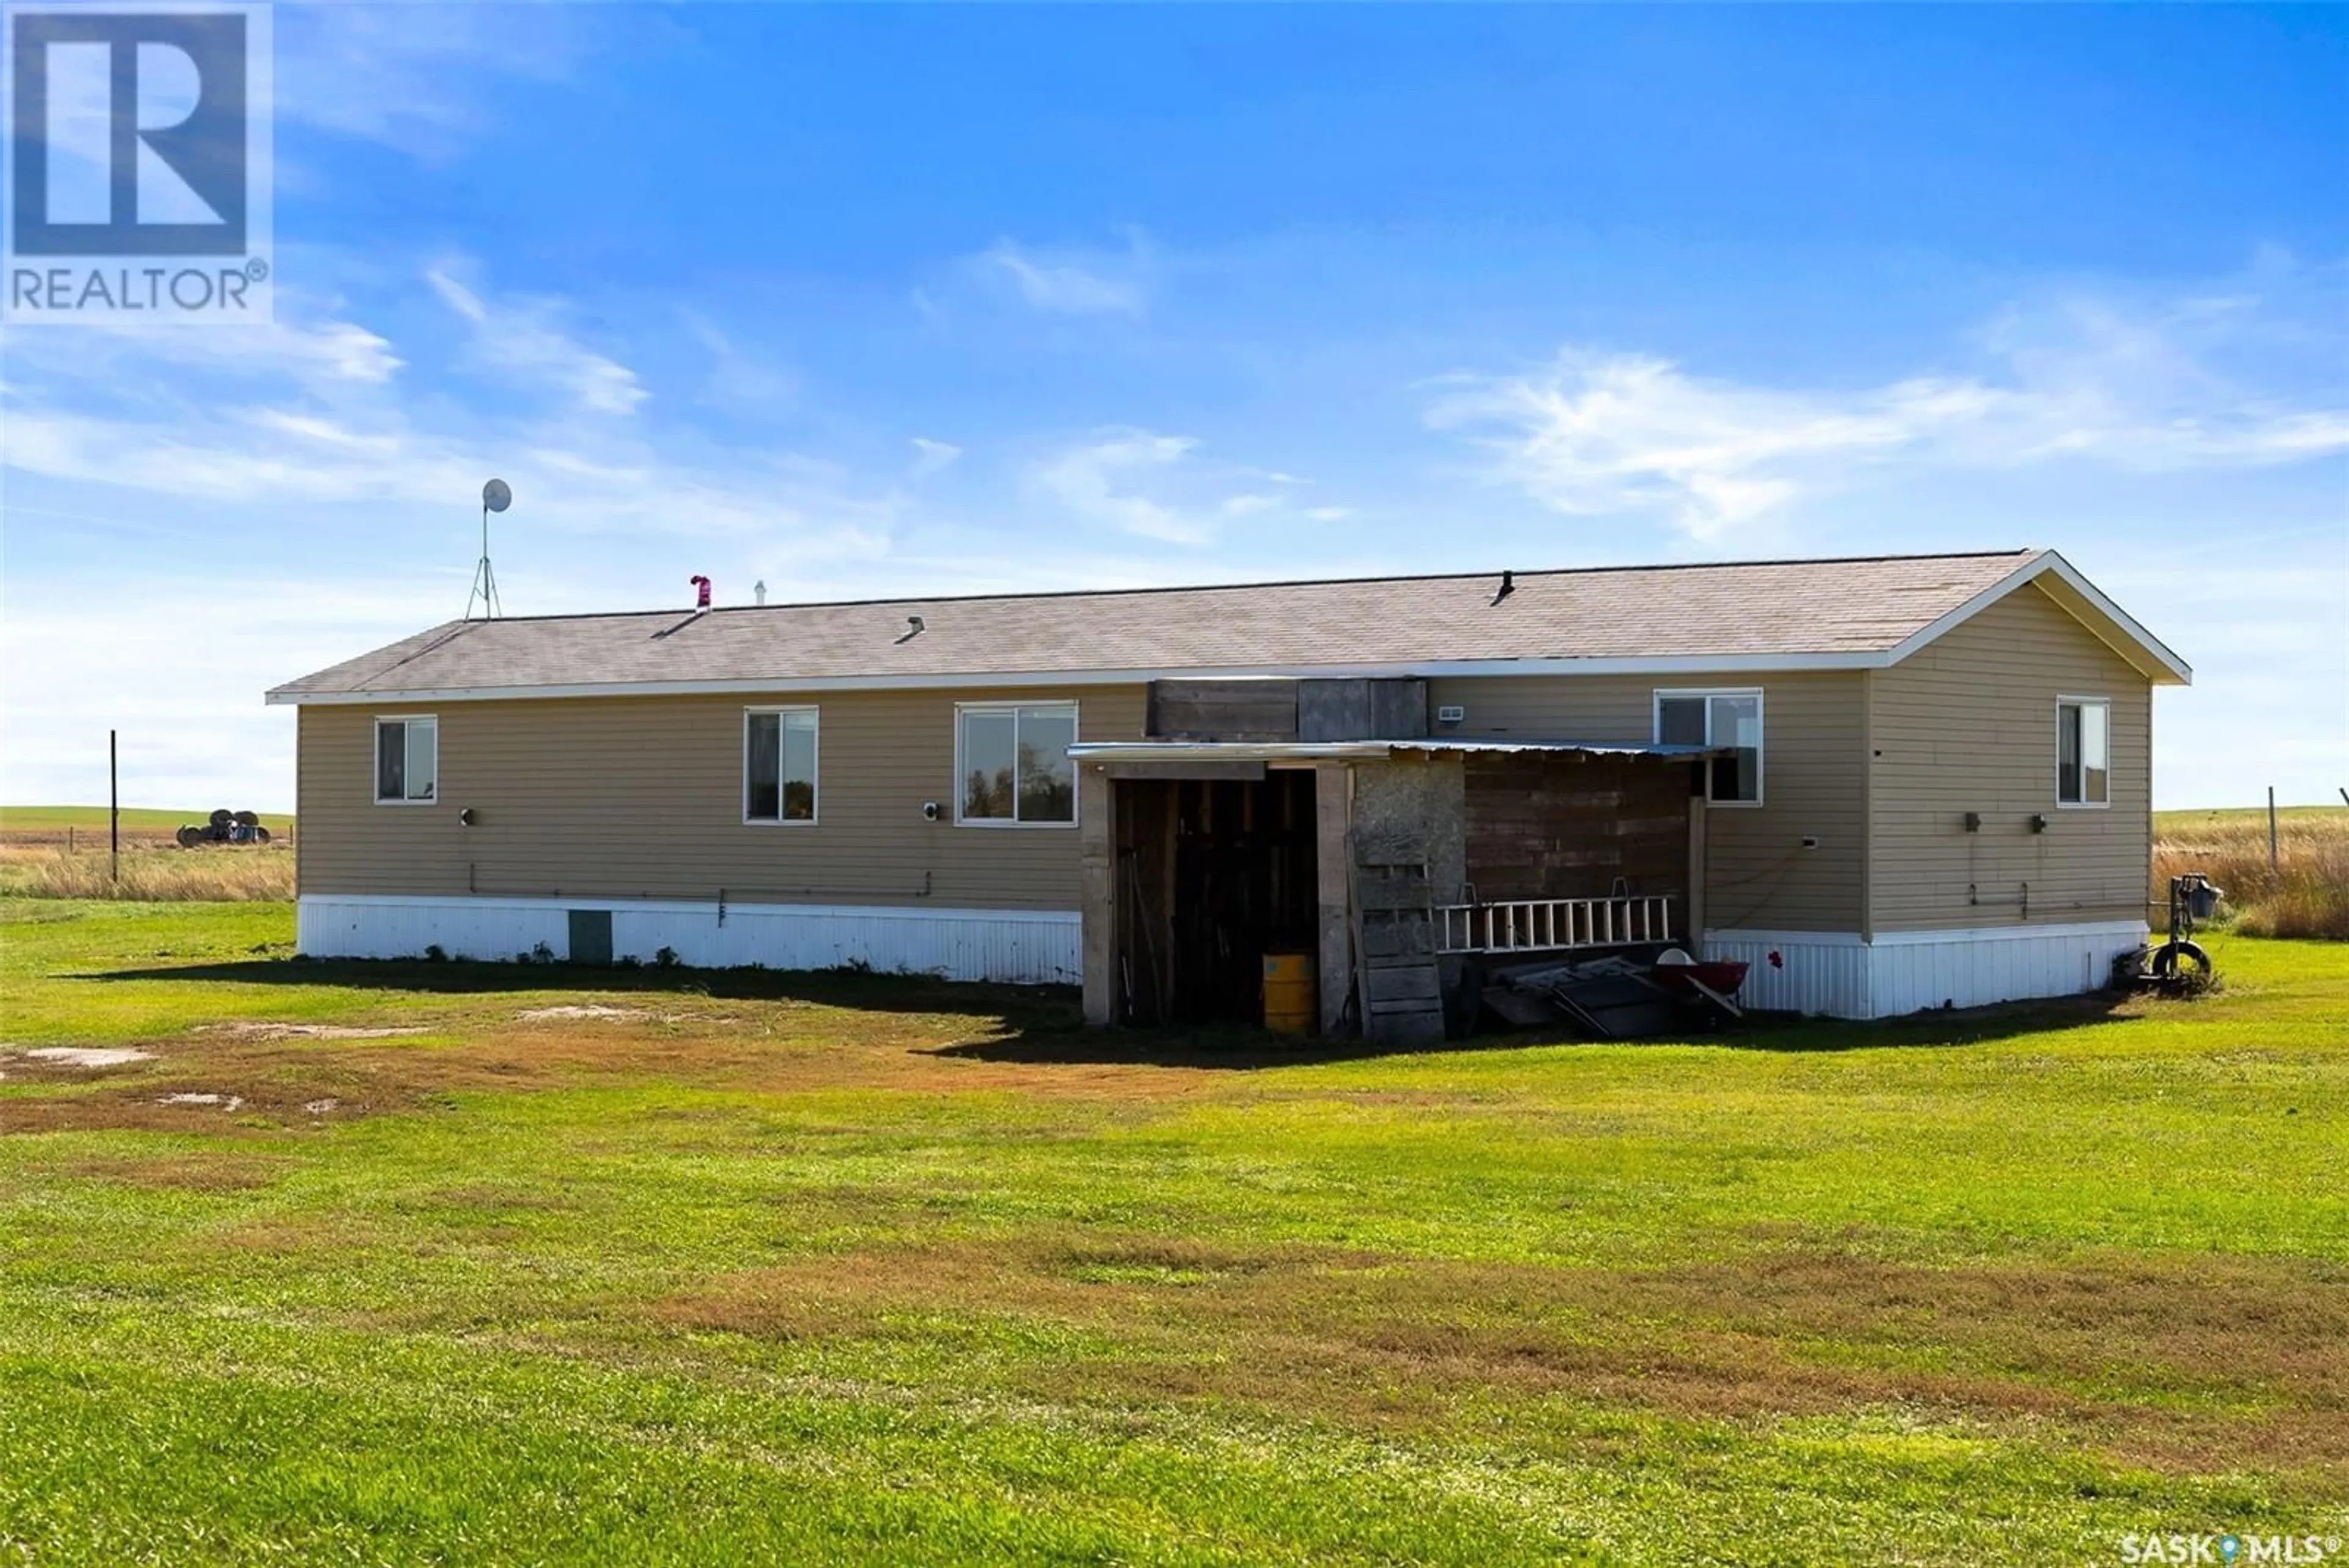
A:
213,875
278,1069
1391,1342
191,1172
2306,896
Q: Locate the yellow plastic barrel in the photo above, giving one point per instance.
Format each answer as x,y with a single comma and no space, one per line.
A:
1292,995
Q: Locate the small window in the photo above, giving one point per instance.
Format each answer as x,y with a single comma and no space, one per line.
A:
1718,719
2084,752
779,764
406,760
1013,761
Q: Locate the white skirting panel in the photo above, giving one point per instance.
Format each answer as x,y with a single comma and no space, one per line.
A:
1916,970
1020,946
1815,972
1837,974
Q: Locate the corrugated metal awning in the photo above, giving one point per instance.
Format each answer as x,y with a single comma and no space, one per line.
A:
1336,751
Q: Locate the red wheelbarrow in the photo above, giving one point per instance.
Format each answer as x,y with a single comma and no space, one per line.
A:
1717,983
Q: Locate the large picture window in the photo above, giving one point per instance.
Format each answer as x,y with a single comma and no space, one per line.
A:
779,764
2084,752
406,760
1013,762
1718,719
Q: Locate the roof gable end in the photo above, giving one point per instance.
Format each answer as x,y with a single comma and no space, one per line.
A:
2062,582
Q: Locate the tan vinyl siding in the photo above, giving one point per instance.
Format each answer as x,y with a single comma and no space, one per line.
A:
642,797
1758,875
1967,723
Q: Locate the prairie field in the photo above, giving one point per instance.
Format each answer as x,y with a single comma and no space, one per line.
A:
2307,893
86,825
452,1262
60,852
214,874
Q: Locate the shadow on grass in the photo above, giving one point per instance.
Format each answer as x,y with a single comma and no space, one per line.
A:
1937,1027
1229,1048
860,990
1245,1049
1042,1025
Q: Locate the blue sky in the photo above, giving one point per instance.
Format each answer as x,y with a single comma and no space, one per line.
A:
874,300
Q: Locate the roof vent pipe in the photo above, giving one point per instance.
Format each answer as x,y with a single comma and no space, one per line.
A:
913,628
1508,587
700,594
759,590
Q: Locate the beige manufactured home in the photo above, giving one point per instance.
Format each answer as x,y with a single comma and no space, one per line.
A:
1887,783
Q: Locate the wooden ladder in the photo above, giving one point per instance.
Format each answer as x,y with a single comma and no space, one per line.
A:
1399,989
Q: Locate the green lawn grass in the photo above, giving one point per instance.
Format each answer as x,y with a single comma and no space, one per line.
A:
839,1268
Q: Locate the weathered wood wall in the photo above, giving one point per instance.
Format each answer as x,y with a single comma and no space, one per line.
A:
1362,709
1565,828
1285,710
1222,711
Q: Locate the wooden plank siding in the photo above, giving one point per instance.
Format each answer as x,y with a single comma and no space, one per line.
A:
1567,827
1967,723
1758,875
628,797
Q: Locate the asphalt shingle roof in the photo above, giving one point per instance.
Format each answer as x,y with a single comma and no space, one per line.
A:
1737,610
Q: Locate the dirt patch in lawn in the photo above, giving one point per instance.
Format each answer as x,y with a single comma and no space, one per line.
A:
2188,1367
589,1010
85,1056
259,1030
227,1084
279,1067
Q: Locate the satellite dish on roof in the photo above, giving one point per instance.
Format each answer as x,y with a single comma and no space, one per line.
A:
496,496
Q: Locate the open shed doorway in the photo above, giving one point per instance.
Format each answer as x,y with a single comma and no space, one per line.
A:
1212,874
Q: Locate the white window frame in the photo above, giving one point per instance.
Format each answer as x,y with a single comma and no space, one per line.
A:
2083,701
1076,721
816,783
375,755
1761,719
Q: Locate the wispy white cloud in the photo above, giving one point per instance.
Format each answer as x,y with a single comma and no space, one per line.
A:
2075,379
1596,433
1159,487
420,78
742,382
932,457
300,447
277,457
1070,282
523,341
321,355
1098,481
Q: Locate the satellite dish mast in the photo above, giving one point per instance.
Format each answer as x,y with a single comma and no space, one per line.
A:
496,496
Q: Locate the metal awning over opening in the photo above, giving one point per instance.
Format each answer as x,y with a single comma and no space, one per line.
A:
1336,751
